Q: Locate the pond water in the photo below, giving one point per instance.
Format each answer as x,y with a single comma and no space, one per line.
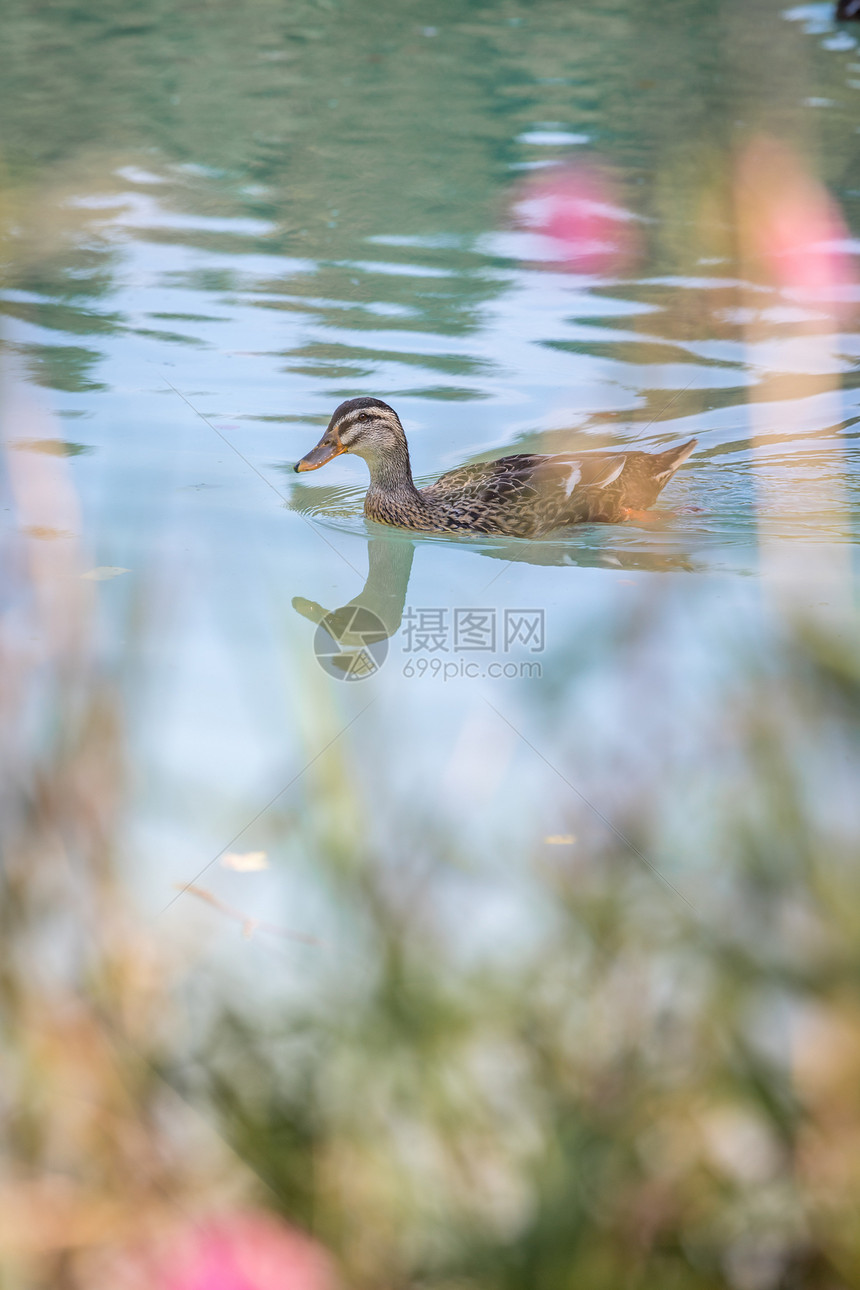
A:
220,224
548,882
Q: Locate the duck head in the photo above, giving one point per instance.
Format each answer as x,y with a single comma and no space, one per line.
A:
367,427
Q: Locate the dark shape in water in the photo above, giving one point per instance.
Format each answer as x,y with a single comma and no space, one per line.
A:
847,9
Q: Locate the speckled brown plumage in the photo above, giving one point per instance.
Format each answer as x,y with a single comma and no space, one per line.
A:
526,495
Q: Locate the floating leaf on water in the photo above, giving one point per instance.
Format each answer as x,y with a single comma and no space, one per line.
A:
244,861
45,531
104,571
52,447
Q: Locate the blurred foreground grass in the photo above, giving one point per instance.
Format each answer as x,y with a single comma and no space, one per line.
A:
657,1093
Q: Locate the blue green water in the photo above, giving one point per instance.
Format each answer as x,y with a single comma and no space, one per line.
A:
220,224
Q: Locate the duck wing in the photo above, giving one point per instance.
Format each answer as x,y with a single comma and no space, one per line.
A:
531,493
550,477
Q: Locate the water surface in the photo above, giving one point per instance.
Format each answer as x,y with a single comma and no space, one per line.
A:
218,230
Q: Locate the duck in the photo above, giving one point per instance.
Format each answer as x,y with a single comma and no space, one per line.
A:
525,495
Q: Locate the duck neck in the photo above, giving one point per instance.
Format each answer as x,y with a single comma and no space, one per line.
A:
391,474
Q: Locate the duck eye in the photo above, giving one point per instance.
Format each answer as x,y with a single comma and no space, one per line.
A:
362,416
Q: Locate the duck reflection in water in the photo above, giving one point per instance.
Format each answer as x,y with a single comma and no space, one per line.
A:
374,615
376,612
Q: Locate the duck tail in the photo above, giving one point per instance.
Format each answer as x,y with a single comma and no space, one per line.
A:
666,463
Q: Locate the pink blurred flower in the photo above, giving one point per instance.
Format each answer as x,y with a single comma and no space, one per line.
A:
245,1251
792,226
576,207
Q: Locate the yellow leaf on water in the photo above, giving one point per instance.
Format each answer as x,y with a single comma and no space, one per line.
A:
51,447
45,532
244,861
561,839
104,571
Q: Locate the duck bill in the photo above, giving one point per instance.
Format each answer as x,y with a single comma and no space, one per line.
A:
324,452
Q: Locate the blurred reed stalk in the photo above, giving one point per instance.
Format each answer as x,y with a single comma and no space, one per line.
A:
788,231
99,1152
